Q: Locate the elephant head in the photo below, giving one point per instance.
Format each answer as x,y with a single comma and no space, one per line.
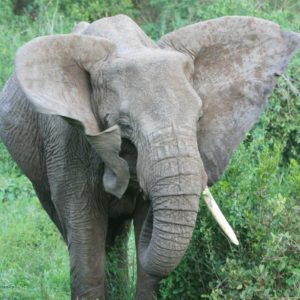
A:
184,104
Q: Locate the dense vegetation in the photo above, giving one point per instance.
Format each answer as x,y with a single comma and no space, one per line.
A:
260,191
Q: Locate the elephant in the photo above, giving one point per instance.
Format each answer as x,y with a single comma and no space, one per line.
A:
110,127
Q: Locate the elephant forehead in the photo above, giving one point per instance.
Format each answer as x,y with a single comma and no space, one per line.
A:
151,86
152,75
148,64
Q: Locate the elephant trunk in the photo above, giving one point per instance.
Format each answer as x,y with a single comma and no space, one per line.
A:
175,179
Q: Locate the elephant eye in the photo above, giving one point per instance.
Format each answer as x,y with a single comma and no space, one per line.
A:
124,125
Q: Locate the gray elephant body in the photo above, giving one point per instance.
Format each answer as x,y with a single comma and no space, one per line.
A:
66,173
155,95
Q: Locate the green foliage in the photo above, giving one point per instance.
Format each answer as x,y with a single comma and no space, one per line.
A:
282,117
259,192
93,10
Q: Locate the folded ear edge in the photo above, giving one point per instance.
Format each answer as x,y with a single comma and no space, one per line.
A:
108,145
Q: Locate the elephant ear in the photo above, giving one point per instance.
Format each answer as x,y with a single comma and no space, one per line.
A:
236,60
54,72
80,27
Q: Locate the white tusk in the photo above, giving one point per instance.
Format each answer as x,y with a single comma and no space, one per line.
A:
218,215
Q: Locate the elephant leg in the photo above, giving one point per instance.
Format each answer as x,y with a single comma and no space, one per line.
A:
86,227
147,286
86,244
117,259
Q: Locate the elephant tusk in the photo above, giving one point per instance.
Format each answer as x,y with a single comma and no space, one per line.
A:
219,217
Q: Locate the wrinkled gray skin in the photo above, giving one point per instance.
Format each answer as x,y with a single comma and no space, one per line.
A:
73,97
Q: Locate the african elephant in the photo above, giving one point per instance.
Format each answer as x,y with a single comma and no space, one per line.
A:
110,126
